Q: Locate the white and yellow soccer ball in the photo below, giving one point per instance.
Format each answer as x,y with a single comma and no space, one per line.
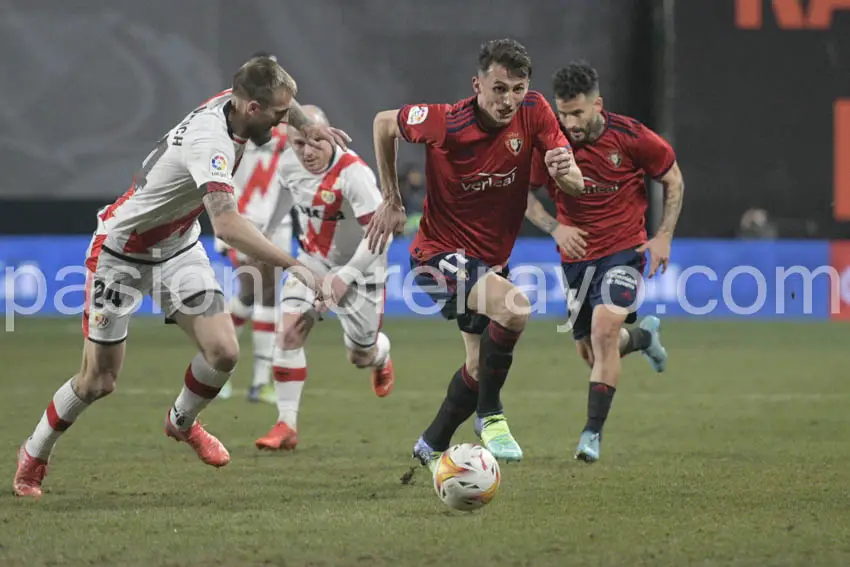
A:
467,477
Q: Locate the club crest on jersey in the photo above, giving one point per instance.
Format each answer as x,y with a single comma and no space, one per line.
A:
417,115
514,143
328,197
615,159
218,165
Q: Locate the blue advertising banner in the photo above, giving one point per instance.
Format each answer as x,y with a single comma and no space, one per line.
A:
708,278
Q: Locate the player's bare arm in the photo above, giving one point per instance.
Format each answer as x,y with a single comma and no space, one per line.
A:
674,189
314,131
390,217
538,216
568,238
564,170
241,234
659,245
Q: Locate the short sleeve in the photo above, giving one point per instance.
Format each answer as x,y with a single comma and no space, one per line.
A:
360,189
423,123
539,171
209,154
652,153
547,134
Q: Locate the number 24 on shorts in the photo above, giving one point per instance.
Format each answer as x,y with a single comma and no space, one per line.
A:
104,294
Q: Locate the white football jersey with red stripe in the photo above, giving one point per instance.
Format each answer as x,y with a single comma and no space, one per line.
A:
333,208
158,216
255,183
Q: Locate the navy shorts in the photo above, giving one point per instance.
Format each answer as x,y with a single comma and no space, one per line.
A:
613,280
448,278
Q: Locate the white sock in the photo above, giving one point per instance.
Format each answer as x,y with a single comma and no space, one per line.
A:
200,386
290,372
240,313
264,338
61,413
382,351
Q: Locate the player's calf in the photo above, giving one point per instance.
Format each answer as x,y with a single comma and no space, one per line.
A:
205,320
96,379
585,351
634,340
605,345
508,309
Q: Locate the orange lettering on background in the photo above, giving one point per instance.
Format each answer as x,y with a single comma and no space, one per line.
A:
789,14
820,13
841,160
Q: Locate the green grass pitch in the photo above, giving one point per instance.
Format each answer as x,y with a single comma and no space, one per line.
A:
738,455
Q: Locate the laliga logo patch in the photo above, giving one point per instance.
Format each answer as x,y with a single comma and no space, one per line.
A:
328,197
417,115
615,159
514,143
218,165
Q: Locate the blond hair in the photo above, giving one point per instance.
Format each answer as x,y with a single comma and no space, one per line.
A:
259,78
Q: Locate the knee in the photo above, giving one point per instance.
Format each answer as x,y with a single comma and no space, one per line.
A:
472,368
515,311
361,358
223,354
605,333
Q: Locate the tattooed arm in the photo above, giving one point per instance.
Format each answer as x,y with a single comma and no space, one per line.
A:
538,216
569,239
297,118
674,189
659,245
239,232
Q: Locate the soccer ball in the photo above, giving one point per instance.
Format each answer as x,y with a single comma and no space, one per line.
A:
467,477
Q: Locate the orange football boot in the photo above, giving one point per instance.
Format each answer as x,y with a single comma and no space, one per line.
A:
209,449
383,379
29,475
280,438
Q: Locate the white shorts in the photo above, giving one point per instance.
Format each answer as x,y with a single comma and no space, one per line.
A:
115,288
361,313
282,238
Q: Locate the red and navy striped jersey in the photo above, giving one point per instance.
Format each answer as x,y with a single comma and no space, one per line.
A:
614,167
477,178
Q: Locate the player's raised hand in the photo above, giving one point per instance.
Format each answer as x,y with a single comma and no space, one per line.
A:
558,161
389,220
570,241
659,253
315,133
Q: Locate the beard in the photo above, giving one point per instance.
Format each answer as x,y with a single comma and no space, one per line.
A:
259,135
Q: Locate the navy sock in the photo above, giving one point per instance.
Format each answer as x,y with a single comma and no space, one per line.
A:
458,405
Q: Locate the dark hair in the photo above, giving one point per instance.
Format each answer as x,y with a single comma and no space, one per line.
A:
508,53
259,77
575,79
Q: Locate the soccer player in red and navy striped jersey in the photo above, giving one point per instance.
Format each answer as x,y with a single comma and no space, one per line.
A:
602,235
478,165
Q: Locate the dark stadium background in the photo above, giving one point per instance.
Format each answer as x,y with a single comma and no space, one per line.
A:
90,85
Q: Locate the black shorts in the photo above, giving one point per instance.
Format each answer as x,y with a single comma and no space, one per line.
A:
447,279
610,280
